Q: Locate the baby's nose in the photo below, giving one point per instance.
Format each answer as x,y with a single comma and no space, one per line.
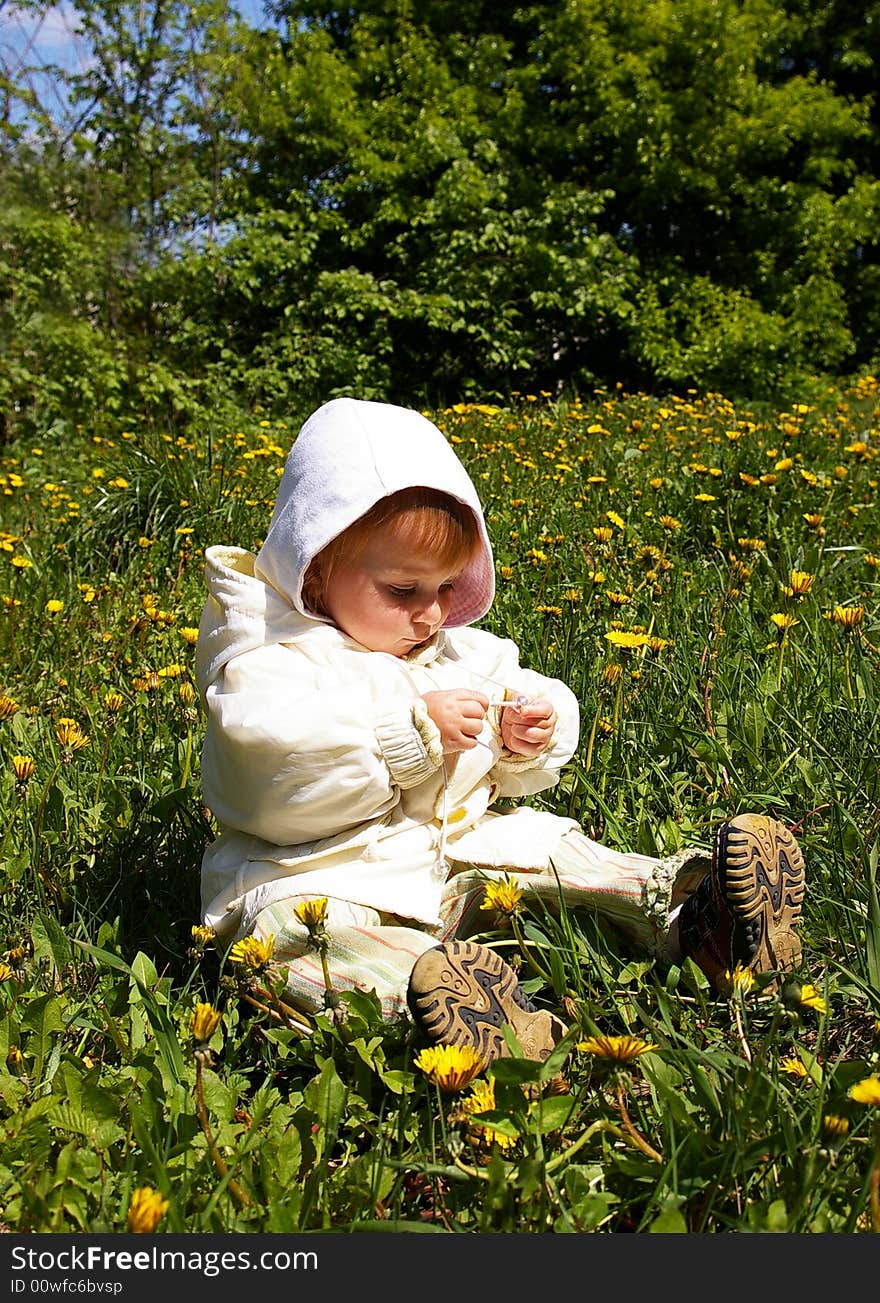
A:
429,613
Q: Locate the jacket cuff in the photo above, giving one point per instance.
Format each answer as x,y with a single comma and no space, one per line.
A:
411,747
510,761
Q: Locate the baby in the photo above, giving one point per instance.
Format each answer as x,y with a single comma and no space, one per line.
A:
361,730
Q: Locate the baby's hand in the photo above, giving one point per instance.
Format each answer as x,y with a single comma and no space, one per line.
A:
526,728
459,715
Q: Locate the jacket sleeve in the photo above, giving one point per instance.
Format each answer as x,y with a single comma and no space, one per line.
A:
515,775
290,764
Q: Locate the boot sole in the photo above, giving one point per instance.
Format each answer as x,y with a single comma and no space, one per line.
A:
760,868
462,993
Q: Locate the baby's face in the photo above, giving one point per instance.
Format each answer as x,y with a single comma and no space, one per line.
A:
391,598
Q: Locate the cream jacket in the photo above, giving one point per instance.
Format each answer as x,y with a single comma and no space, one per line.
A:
327,777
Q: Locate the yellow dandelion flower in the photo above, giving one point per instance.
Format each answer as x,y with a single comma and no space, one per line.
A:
626,640
834,1126
866,1091
7,972
451,1067
670,522
172,671
202,935
146,682
784,464
504,896
615,519
507,572
783,621
705,497
253,952
603,533
145,1210
21,562
54,605
8,707
113,702
800,583
648,556
814,519
23,767
605,726
793,1068
312,913
571,595
612,673
740,981
751,480
70,735
871,559
205,1021
859,447
186,692
812,998
189,634
482,1100
617,599
658,645
849,617
752,544
622,1049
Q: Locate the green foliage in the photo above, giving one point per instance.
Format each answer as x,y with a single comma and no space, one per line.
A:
740,1120
441,201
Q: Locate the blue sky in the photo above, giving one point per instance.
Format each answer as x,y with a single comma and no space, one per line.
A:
50,37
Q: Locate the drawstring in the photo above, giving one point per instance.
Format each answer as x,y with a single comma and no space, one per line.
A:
441,844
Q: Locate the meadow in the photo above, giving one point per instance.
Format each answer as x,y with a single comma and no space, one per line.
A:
706,578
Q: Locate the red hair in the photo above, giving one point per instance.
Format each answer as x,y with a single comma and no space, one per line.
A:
425,519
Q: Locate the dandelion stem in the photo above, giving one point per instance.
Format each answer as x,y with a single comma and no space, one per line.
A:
779,663
526,953
601,1125
638,1140
591,743
281,1013
846,652
241,1197
740,1030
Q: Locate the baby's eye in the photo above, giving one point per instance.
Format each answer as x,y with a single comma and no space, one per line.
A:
400,591
447,588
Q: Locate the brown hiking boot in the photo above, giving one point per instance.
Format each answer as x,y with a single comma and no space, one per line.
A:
746,908
462,993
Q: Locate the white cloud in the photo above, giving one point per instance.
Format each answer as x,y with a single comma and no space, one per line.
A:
47,36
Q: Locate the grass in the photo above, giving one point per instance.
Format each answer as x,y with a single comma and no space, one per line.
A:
742,548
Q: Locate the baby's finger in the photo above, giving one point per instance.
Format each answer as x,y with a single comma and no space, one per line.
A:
536,709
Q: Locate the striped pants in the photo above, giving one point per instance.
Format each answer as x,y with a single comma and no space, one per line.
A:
370,951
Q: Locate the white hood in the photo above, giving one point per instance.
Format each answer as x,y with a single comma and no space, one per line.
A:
348,455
